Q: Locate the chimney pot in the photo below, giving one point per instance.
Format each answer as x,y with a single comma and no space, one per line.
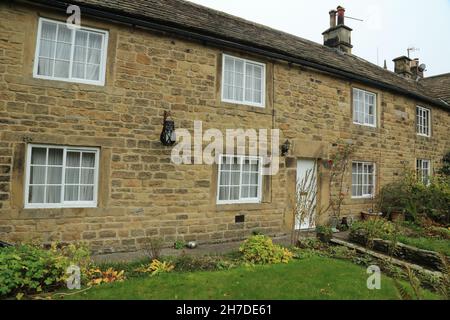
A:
341,15
333,18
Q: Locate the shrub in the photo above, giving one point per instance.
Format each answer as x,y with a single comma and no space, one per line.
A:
153,247
109,275
377,228
29,268
324,233
259,249
445,170
414,198
157,267
179,244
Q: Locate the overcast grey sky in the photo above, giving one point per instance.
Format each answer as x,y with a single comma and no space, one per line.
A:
389,26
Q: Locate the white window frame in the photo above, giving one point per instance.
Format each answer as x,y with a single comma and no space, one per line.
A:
62,204
366,163
240,161
420,129
375,106
102,68
263,85
420,170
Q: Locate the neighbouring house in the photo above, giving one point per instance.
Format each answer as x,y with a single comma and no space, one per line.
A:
81,112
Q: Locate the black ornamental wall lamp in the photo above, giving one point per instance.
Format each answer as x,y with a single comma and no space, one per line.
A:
285,148
168,137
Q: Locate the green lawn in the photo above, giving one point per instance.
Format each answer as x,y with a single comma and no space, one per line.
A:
311,278
432,244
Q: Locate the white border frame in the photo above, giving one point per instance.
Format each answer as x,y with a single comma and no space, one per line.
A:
260,178
104,55
366,196
263,87
429,122
375,105
67,204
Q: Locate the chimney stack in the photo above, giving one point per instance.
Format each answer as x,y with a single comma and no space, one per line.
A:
338,35
403,67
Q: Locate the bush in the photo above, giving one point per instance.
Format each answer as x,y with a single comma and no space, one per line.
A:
260,249
98,276
157,267
30,269
415,199
445,170
372,229
153,247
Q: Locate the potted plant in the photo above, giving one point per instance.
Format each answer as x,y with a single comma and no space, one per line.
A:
324,233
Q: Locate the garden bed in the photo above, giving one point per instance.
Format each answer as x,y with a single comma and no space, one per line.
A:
425,258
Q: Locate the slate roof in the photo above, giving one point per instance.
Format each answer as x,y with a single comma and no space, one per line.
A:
438,86
186,15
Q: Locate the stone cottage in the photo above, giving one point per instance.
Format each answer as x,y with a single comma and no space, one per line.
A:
82,110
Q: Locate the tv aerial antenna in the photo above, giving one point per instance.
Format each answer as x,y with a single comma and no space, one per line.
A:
413,49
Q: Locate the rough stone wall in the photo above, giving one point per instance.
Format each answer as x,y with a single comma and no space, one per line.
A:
317,107
141,193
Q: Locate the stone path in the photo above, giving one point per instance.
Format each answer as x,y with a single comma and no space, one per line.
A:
202,249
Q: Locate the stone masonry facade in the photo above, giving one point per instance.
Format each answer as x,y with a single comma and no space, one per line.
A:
141,193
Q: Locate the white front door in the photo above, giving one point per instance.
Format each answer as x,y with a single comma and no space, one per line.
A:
307,193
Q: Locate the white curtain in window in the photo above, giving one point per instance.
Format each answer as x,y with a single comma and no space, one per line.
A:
62,48
47,49
87,55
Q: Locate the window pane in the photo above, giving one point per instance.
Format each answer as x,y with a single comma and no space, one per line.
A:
95,40
72,176
234,193
253,192
54,175
55,157
94,56
87,176
88,160
36,194
71,193
244,192
73,159
81,38
63,51
224,193
37,175
92,72
62,69
38,155
79,54
245,178
53,194
86,193
78,70
48,30
235,178
224,178
45,67
47,49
